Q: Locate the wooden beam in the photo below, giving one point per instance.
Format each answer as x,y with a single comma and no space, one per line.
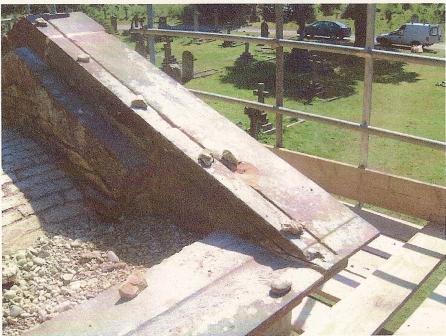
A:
429,318
404,195
386,290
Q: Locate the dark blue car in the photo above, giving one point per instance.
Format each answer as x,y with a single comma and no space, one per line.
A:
331,29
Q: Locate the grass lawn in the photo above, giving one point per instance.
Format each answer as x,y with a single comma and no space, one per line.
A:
405,99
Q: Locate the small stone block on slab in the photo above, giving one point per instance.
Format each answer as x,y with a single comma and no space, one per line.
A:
139,102
83,58
40,22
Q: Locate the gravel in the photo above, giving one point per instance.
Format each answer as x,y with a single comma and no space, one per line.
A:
74,263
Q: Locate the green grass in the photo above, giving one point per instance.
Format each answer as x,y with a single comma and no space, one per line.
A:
405,99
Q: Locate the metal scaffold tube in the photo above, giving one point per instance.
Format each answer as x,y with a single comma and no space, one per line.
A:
279,75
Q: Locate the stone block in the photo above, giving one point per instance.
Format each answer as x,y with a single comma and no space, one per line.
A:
10,216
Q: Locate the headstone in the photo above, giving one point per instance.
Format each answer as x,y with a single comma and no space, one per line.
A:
187,66
135,20
162,22
264,30
258,120
140,47
168,57
196,24
228,44
246,57
216,21
114,23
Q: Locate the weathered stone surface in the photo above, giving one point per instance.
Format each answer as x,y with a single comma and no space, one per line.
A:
168,137
99,152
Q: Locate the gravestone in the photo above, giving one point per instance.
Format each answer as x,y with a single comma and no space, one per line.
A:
187,66
140,47
228,44
141,22
246,57
162,22
114,23
196,24
168,57
135,21
216,21
264,30
126,11
258,120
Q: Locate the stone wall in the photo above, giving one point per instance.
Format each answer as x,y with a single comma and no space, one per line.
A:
111,168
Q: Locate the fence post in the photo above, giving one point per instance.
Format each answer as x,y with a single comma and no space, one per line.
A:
151,38
367,97
279,74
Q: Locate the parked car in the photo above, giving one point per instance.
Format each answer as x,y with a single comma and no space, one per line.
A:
412,34
330,29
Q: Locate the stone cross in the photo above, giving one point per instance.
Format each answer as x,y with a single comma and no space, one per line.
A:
258,120
168,57
187,66
260,92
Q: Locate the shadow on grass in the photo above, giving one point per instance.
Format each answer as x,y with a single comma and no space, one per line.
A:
315,74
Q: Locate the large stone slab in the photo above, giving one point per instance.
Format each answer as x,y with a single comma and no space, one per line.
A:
175,129
217,286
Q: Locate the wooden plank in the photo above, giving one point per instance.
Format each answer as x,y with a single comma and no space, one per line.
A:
408,196
430,316
383,246
378,297
216,286
360,265
309,312
339,286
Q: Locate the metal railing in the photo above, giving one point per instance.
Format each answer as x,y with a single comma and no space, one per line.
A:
369,53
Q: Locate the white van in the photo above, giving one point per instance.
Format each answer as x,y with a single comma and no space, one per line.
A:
412,34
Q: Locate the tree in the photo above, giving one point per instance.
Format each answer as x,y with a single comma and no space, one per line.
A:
358,13
301,14
236,14
328,9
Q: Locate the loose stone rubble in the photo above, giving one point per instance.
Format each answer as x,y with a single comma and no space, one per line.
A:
61,271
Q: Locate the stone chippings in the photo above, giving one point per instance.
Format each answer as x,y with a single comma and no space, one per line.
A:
60,270
76,255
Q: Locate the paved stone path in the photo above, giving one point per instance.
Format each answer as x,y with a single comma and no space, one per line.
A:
56,253
35,192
